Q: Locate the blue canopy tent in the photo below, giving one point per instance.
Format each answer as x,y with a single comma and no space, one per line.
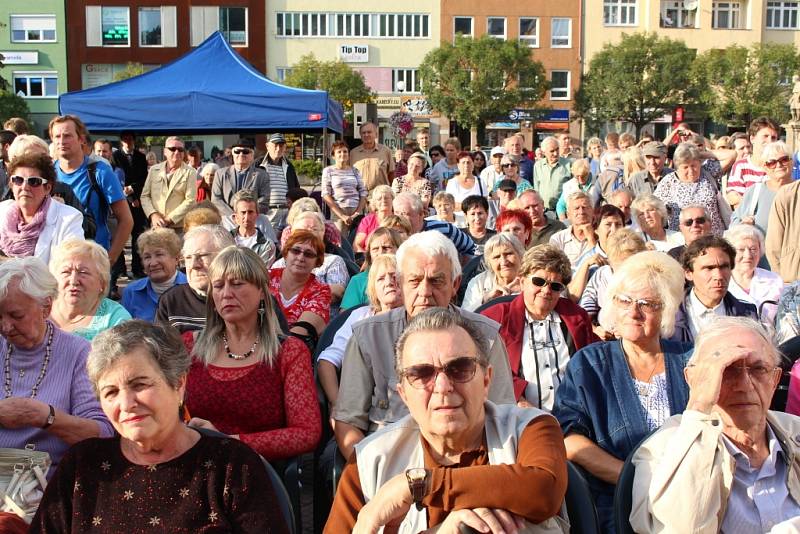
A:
210,89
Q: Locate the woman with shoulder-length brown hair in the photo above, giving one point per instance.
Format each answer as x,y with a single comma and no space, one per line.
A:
342,188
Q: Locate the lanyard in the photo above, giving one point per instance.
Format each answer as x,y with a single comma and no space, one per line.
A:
550,343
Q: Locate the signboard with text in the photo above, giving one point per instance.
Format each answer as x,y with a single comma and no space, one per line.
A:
15,57
354,53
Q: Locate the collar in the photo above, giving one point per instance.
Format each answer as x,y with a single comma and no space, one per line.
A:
552,317
698,308
743,461
479,456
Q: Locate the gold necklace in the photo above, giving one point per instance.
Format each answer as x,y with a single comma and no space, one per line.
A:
642,387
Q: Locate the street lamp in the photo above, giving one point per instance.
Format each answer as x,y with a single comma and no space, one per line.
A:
401,86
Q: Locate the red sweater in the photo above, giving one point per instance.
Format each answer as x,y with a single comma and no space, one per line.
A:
273,409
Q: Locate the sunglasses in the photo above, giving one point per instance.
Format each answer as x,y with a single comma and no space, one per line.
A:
310,254
538,281
174,148
504,165
698,220
32,181
648,306
783,162
238,151
458,370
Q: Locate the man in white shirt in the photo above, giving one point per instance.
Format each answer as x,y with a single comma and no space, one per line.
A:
576,239
493,172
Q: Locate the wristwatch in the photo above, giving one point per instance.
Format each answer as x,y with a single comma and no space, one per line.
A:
51,418
418,484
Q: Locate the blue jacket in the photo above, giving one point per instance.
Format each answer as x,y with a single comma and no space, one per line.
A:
733,308
141,300
597,399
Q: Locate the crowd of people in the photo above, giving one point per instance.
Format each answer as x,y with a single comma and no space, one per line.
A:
468,320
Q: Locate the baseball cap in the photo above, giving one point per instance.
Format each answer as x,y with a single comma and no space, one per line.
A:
277,138
244,142
497,150
654,148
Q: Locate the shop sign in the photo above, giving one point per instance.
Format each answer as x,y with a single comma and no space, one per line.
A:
354,53
15,57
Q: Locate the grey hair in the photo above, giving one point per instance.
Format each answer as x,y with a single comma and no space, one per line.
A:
300,205
776,148
739,232
649,200
24,143
213,166
161,343
594,141
502,240
437,320
577,195
686,153
548,139
173,138
31,277
430,244
411,198
244,195
718,325
648,270
219,236
317,216
378,192
97,255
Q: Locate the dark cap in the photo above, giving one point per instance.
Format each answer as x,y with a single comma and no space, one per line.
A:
507,185
654,148
244,142
277,138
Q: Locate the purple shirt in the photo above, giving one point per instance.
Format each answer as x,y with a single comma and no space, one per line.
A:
65,385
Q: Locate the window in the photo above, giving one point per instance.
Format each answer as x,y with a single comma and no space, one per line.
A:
561,33
462,25
619,12
157,26
529,31
115,26
233,24
675,14
782,15
726,15
33,28
357,25
527,81
394,25
36,84
410,77
496,27
283,73
559,85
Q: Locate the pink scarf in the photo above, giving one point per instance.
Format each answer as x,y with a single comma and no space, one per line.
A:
17,238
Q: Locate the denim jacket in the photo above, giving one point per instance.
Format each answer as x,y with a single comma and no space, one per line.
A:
597,399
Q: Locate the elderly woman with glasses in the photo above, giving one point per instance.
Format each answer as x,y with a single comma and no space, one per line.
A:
415,181
750,283
757,201
616,392
157,472
33,223
691,183
651,214
502,256
380,204
540,328
510,166
382,241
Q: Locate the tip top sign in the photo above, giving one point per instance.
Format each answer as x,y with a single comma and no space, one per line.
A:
354,53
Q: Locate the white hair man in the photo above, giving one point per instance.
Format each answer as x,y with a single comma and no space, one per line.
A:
728,462
430,274
550,173
410,206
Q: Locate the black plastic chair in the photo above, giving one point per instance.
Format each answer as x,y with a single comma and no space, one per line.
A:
790,350
351,234
580,504
473,268
623,497
496,300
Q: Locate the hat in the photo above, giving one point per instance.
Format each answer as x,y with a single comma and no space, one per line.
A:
498,150
277,138
244,143
507,185
654,148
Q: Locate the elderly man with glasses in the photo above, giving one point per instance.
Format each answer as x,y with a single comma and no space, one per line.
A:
457,459
243,174
170,188
728,463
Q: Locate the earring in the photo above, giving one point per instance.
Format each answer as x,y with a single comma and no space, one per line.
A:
262,308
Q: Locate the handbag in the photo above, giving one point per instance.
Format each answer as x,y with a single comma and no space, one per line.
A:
22,480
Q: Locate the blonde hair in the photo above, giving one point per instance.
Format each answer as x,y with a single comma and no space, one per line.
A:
164,238
26,143
624,243
97,255
380,262
301,205
632,162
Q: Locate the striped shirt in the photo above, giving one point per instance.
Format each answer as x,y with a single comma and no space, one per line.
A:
461,240
277,185
344,185
744,174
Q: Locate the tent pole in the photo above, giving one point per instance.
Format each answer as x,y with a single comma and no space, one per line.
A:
325,146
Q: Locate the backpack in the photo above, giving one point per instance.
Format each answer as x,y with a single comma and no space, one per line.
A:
89,222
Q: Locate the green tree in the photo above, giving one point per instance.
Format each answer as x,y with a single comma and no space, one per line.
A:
476,80
4,85
342,83
131,70
637,80
738,84
12,105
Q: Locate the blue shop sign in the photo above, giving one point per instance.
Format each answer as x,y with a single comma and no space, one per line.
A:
540,115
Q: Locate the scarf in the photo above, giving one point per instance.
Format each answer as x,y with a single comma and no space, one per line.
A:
163,286
18,238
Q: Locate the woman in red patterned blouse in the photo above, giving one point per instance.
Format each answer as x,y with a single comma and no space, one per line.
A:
301,297
245,381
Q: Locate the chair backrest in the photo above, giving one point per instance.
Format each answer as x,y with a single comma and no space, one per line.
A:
351,234
346,250
790,349
473,268
327,335
580,504
496,300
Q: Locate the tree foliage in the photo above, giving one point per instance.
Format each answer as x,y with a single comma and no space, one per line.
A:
738,84
475,80
639,79
342,83
131,70
12,105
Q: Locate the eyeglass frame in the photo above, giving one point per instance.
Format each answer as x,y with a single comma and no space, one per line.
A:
27,180
404,373
643,305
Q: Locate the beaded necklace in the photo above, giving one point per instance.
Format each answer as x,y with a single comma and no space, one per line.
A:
7,366
239,357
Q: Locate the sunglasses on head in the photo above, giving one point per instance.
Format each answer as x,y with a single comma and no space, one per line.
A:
772,163
538,281
238,151
458,370
174,148
310,254
32,181
698,220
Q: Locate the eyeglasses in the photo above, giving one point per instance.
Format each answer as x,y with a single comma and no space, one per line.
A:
504,165
458,370
698,220
647,306
238,151
204,257
753,251
783,162
310,254
538,281
32,181
758,373
174,148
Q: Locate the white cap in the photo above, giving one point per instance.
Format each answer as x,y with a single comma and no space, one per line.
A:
498,150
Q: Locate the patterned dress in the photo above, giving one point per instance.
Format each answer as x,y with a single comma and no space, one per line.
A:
314,297
218,485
